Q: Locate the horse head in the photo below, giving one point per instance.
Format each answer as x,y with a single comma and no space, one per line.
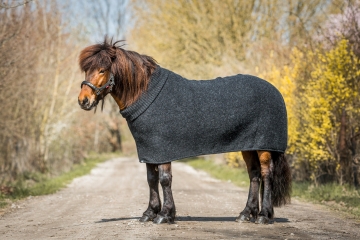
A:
96,62
111,69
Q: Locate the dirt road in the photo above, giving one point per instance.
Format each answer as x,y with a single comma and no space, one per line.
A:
107,203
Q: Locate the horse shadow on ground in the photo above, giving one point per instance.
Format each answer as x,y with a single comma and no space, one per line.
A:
190,219
218,219
104,220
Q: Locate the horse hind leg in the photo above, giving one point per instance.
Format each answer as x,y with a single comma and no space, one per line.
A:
167,213
154,201
267,210
251,209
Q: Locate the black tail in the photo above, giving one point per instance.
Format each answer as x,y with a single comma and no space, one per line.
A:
281,180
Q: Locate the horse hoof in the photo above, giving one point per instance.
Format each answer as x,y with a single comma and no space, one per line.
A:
145,218
262,220
243,218
160,219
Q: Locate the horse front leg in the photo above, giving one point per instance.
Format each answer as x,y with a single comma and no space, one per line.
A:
267,210
251,209
167,213
154,201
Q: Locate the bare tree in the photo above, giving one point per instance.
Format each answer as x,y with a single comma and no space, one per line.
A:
41,127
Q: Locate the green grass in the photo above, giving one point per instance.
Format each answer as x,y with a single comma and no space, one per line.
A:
42,184
334,196
342,198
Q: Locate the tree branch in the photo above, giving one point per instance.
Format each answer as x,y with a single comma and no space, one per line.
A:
7,6
356,136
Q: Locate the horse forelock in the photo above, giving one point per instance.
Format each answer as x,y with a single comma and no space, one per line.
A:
96,56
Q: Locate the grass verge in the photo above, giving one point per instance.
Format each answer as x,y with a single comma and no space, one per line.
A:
334,196
41,184
340,198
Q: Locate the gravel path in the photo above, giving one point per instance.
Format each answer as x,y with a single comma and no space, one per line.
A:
107,203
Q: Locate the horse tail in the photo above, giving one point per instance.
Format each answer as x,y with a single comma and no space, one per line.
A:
281,180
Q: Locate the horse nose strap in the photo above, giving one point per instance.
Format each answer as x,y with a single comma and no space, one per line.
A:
109,84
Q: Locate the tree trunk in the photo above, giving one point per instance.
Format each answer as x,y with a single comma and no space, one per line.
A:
345,156
355,158
115,139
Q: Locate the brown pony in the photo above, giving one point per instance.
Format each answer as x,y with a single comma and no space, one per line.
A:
126,76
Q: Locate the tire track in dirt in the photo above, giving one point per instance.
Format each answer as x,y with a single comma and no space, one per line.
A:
107,203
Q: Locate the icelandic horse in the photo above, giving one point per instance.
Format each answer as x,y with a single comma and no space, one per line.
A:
127,76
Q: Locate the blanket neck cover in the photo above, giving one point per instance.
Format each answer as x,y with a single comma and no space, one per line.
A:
178,118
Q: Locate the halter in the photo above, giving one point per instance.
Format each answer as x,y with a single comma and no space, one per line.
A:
109,84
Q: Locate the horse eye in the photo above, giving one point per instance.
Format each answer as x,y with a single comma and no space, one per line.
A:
102,71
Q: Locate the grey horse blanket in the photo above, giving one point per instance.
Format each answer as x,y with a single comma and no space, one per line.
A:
178,118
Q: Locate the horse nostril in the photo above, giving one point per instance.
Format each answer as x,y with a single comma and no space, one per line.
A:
84,101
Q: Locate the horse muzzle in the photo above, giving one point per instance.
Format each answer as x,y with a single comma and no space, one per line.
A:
85,104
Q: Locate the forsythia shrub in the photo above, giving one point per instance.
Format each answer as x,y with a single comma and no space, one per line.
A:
234,159
317,86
